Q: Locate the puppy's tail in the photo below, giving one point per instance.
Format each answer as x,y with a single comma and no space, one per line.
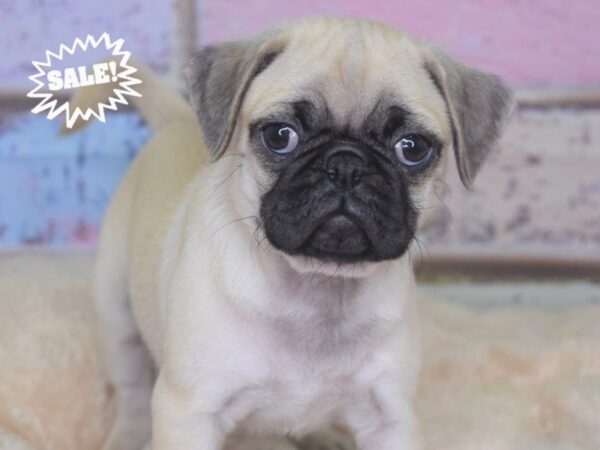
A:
158,104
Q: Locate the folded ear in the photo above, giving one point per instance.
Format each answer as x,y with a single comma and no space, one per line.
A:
218,77
478,104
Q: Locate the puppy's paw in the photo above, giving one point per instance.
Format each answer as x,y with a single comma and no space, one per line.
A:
9,441
128,435
330,439
259,443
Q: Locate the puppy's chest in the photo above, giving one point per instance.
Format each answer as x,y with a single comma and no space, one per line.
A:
311,370
297,404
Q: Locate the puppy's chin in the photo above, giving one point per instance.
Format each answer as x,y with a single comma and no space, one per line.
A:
311,265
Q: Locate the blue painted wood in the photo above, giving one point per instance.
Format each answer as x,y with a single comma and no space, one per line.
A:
54,189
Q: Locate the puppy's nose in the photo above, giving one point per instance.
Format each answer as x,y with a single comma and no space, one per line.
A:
345,167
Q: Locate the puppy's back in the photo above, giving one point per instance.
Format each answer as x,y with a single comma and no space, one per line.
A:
144,203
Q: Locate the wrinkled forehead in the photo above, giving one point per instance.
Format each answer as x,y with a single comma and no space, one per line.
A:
352,73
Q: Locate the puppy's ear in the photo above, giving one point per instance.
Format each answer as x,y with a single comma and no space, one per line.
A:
479,105
218,77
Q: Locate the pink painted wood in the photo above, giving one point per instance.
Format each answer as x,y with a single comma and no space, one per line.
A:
528,42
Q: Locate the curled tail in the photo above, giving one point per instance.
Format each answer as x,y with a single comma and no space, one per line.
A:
158,103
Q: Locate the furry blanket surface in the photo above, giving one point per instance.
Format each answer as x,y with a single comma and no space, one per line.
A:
506,366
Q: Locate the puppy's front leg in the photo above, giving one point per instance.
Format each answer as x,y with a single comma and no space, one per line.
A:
387,433
182,421
385,420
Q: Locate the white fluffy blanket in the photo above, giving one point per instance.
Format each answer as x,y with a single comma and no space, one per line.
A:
506,367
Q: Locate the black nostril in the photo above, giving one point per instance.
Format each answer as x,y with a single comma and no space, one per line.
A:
345,167
332,174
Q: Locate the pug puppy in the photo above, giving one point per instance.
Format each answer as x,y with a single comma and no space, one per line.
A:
259,263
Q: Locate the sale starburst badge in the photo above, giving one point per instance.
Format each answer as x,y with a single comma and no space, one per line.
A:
59,72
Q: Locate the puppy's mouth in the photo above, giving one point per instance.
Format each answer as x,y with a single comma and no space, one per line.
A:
345,231
339,237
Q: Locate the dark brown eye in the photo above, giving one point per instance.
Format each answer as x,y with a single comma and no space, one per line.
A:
280,138
413,150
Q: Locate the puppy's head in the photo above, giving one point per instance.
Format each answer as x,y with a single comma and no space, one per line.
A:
341,125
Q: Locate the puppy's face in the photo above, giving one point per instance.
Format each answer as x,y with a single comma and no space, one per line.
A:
341,127
345,143
340,191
